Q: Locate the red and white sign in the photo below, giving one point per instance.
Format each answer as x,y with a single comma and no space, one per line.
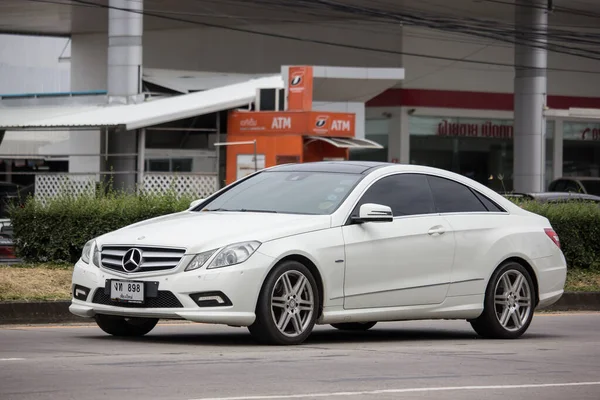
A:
302,123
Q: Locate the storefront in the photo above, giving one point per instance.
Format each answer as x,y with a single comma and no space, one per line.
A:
482,148
581,149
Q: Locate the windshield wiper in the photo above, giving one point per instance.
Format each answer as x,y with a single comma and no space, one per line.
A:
258,211
243,210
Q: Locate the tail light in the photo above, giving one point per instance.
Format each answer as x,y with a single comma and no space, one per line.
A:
553,236
7,252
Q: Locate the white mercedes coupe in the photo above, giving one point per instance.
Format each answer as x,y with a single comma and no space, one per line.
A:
343,243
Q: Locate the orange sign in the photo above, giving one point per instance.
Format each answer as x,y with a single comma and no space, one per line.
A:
298,123
300,89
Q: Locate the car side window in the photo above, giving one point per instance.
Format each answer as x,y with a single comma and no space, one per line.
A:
451,197
489,204
405,194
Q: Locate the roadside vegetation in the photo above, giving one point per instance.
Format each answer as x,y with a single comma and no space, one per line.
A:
55,231
50,236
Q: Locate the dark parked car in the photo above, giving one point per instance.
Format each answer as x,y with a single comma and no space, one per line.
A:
575,184
553,197
7,250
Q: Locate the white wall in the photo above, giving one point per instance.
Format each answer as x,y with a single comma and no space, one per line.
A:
88,72
29,64
89,61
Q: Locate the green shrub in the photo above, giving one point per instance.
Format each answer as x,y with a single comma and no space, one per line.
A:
57,230
578,226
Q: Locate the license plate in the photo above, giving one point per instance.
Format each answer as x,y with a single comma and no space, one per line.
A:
127,291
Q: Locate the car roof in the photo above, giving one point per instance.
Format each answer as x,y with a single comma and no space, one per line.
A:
349,167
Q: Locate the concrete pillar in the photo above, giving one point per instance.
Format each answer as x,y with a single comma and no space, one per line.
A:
399,136
124,83
557,156
531,20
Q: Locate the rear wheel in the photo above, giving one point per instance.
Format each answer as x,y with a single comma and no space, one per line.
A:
509,304
287,305
354,326
122,326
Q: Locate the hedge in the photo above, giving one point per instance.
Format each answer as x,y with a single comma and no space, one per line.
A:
56,232
578,227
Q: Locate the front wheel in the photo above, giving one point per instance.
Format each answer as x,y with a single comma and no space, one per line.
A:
509,304
121,326
354,326
287,305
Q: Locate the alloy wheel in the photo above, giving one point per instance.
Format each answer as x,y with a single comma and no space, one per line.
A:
512,300
292,303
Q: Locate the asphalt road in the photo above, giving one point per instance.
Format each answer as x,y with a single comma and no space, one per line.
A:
559,358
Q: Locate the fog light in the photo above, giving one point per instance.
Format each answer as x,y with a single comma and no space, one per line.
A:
211,299
81,292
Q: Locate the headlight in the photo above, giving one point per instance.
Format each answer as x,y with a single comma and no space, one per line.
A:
96,259
234,254
86,254
199,260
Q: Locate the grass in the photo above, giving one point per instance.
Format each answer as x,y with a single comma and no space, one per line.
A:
34,282
580,280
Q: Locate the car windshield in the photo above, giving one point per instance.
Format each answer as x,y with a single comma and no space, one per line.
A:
316,193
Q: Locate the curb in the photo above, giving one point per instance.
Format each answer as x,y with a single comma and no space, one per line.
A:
43,312
46,312
577,301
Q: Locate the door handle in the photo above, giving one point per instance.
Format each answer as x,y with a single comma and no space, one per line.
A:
436,231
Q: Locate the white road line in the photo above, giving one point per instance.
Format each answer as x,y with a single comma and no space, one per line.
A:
406,390
11,359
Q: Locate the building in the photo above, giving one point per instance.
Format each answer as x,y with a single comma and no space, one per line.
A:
43,68
455,109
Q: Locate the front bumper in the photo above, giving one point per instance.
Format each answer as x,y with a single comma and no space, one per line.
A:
240,284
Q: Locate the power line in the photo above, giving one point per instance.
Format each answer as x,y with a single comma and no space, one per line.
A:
479,28
315,41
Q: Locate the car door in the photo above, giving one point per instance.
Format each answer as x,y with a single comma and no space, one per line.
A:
401,263
477,223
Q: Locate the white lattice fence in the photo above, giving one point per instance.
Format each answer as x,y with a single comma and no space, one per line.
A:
48,186
200,186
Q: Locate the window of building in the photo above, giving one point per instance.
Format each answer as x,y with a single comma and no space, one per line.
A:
451,197
481,149
169,165
376,130
406,194
581,149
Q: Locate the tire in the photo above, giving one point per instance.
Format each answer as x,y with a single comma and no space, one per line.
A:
507,313
354,326
128,327
279,304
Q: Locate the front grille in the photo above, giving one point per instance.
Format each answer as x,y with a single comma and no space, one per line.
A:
153,258
164,299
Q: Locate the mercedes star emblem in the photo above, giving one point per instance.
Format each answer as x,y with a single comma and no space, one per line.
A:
132,260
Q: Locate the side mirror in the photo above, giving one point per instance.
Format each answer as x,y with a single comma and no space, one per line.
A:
195,203
370,212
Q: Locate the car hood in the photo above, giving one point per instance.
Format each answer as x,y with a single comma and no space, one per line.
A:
201,231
